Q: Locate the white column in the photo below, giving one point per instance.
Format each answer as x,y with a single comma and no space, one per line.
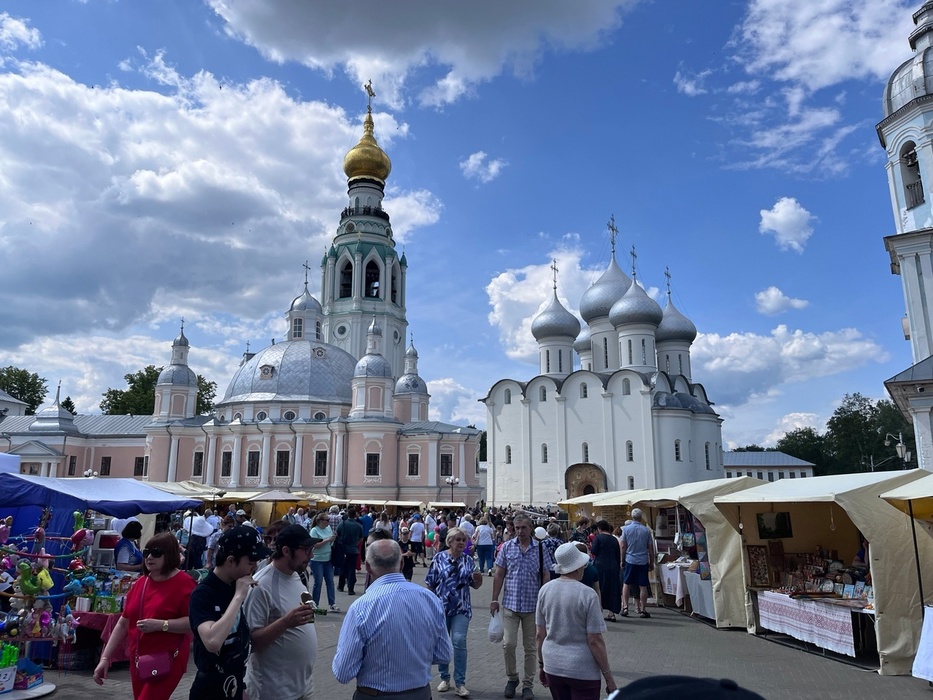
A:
43,469
235,462
338,459
209,460
172,460
462,457
296,478
264,463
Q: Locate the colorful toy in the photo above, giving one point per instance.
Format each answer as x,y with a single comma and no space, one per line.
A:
5,526
27,582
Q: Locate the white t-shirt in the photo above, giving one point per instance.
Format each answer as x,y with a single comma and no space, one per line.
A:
486,535
417,531
283,670
467,527
569,610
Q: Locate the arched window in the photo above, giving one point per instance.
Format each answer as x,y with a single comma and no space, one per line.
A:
606,353
547,361
508,454
346,280
357,203
543,393
667,364
629,451
677,456
680,359
630,356
910,175
583,391
644,352
560,360
586,452
394,287
543,453
507,396
706,452
317,330
631,483
297,328
626,387
371,285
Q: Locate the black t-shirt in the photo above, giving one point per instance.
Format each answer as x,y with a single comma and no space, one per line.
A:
408,563
349,533
209,601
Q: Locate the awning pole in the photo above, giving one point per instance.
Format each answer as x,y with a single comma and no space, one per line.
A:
913,530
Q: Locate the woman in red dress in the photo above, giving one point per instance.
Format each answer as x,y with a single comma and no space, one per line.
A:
155,617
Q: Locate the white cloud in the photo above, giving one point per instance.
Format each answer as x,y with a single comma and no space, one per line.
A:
740,367
691,86
476,167
469,43
791,422
454,403
16,32
773,301
789,222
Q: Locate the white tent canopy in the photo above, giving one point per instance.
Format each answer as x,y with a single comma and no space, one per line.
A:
915,498
830,511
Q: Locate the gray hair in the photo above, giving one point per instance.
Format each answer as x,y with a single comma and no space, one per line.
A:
384,556
637,515
454,532
521,517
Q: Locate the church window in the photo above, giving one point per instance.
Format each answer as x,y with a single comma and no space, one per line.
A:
297,328
543,394
677,455
105,466
262,415
319,416
706,453
320,463
289,415
780,475
225,460
508,454
631,483
606,353
667,364
252,463
372,464
317,330
644,352
543,453
414,465
680,359
507,397
73,465
197,469
346,280
586,452
626,387
372,280
138,465
394,286
630,355
547,361
589,366
281,462
629,451
910,174
447,465
560,360
356,203
584,392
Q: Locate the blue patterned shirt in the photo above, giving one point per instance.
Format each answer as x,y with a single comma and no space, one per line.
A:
450,579
391,611
523,574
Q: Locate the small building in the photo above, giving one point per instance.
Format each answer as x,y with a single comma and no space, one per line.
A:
768,466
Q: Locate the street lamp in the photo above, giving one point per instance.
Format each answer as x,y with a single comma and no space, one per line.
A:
453,481
899,447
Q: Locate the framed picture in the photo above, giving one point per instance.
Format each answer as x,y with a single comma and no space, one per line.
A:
758,565
774,526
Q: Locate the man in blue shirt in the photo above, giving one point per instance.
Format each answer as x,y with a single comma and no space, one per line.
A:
638,558
392,609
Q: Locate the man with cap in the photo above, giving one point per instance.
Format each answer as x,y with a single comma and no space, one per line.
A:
242,518
221,635
281,625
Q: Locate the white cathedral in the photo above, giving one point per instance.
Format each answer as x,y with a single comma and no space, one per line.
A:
630,418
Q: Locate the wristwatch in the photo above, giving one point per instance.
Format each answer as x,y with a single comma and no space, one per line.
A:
165,625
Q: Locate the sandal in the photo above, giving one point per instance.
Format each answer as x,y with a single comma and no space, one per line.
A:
611,618
643,613
624,612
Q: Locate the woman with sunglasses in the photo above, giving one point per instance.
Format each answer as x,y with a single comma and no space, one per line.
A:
154,619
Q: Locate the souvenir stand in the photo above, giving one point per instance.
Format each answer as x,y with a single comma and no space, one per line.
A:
50,541
916,499
799,537
686,523
583,506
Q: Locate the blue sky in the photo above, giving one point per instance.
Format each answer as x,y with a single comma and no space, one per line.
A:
160,160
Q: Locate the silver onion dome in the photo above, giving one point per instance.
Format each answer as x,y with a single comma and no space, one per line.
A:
306,302
582,343
410,384
411,352
555,320
181,339
295,370
635,306
178,375
675,326
372,365
913,78
604,292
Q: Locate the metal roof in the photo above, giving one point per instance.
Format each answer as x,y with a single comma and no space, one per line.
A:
12,399
762,459
86,425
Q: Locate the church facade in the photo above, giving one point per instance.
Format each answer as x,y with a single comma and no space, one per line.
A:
337,407
613,405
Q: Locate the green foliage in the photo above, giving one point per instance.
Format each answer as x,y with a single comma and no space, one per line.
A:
753,448
139,398
24,385
69,405
806,444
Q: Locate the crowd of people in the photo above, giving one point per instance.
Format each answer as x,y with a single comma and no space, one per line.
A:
553,590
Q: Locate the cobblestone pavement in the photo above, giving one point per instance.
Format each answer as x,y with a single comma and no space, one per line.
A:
668,643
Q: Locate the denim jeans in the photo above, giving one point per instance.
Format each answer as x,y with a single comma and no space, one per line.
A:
323,571
457,626
485,552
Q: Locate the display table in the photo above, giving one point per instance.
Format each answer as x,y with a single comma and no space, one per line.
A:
672,580
701,594
823,623
103,623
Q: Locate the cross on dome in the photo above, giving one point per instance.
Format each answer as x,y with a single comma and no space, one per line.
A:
613,232
554,271
634,258
667,274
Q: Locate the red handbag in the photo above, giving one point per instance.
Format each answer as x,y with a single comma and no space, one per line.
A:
155,666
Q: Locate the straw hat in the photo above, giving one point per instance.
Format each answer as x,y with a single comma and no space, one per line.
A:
568,558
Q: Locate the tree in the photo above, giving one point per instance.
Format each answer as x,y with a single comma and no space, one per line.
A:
852,435
806,444
24,385
69,406
752,448
139,398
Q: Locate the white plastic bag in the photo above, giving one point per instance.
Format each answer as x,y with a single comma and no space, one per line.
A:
495,628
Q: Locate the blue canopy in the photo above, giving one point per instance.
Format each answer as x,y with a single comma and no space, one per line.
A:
120,498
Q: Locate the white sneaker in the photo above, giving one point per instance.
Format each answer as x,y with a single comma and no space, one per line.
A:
335,608
443,687
462,691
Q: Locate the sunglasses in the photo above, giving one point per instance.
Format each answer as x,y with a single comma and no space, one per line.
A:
154,553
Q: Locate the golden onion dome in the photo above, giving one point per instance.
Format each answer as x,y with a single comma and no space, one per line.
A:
366,159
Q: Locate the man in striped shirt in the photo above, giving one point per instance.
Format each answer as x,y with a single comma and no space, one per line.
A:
391,609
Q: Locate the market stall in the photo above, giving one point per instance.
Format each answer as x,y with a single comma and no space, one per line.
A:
704,560
799,537
582,506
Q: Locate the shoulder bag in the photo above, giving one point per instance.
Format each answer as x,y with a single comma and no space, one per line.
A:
157,665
